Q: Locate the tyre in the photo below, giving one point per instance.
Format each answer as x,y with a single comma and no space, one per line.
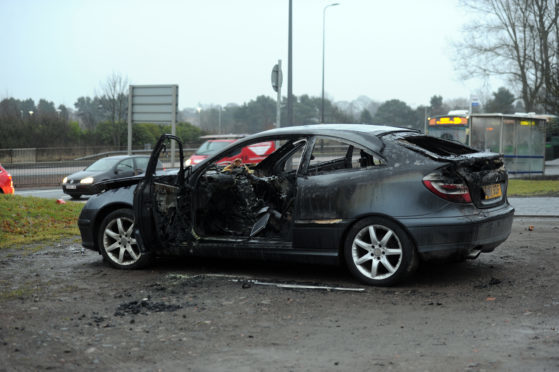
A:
75,196
379,252
116,241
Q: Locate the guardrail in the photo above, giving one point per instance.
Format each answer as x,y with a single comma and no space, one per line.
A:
51,173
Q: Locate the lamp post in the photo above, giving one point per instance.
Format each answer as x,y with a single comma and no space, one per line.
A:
290,66
219,120
323,48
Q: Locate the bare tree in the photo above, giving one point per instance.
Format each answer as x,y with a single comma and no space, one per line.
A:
515,39
115,103
546,19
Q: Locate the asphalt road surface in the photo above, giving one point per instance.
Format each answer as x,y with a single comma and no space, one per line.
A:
62,308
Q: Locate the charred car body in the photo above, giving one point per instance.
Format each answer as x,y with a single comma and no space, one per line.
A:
377,198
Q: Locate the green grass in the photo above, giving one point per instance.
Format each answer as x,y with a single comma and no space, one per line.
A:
25,220
533,187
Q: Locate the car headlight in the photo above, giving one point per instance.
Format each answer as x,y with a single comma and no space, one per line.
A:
87,180
65,180
187,162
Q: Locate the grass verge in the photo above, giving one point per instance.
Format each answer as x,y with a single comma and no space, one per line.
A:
533,187
25,220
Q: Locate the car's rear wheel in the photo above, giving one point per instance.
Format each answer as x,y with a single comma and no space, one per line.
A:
379,252
117,243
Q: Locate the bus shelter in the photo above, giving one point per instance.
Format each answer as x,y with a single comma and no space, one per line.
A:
519,137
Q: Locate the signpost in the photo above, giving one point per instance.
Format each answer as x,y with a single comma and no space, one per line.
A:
277,80
156,104
474,102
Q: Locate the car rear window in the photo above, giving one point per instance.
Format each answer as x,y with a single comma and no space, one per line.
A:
438,146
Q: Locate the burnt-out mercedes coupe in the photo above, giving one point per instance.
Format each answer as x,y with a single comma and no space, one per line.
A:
378,199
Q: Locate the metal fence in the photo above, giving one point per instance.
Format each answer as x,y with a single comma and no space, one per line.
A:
47,167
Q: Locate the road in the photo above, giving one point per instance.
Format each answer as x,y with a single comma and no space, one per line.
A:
50,193
64,310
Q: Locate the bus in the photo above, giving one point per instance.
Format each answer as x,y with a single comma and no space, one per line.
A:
454,126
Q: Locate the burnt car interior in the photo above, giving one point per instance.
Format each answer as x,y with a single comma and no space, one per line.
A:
330,155
249,201
245,201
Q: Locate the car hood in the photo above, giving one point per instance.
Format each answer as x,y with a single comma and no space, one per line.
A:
83,174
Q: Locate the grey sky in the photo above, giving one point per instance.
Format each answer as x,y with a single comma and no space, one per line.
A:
221,51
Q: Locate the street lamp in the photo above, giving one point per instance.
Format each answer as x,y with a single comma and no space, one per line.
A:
323,47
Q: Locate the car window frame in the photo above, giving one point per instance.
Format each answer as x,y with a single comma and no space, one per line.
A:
121,162
137,165
312,143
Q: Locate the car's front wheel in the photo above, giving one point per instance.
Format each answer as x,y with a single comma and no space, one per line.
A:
379,252
117,243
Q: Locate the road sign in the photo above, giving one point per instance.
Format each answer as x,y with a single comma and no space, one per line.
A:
156,104
277,77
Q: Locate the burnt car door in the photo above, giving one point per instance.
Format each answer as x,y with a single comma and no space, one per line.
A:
330,190
238,208
162,200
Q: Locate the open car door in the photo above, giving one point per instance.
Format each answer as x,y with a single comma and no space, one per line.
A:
162,204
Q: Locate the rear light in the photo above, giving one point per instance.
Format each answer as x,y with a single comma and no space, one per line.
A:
453,190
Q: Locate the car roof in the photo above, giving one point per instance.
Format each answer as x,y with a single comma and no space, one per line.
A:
359,133
125,156
229,140
222,136
337,128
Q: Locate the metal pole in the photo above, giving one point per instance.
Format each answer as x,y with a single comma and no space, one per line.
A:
174,122
130,89
323,50
425,120
278,103
290,68
219,130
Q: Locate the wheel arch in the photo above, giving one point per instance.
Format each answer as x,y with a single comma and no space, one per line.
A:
103,212
349,226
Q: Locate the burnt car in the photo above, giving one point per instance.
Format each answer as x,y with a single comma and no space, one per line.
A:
378,199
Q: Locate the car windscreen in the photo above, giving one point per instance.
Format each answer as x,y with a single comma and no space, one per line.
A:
102,164
211,147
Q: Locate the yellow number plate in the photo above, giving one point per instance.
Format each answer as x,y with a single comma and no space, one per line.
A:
492,191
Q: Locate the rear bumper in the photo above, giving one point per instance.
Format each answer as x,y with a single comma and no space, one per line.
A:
460,237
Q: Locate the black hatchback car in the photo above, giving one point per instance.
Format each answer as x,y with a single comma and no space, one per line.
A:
379,199
112,167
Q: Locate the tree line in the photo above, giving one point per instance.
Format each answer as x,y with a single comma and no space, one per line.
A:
26,124
102,120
